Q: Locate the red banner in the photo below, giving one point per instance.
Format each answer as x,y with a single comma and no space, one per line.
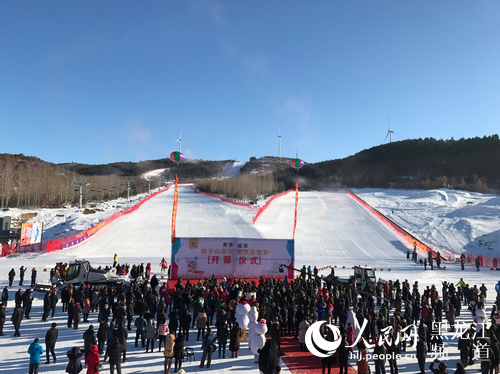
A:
174,208
296,203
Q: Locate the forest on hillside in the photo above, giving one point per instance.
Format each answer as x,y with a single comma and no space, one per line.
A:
466,164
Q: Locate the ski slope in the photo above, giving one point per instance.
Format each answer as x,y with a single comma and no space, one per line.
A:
332,229
230,170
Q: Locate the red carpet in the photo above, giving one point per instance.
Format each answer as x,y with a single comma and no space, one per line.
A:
303,362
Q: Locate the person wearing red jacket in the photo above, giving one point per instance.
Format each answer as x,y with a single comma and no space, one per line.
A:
92,360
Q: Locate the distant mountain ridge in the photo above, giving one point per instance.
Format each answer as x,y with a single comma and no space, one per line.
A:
467,164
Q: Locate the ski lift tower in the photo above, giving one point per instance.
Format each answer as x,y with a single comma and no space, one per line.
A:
80,185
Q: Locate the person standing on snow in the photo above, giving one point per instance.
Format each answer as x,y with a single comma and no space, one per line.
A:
33,278
2,317
12,274
115,260
35,350
22,270
478,263
17,317
462,260
50,342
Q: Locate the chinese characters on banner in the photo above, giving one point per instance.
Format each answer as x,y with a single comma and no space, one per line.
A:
195,258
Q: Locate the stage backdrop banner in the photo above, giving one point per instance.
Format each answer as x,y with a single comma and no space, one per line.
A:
199,258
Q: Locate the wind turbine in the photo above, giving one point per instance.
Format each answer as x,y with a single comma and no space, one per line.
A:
389,134
180,141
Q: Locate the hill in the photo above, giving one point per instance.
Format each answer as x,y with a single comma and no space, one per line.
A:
466,164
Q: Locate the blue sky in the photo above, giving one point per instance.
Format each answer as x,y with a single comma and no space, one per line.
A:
106,81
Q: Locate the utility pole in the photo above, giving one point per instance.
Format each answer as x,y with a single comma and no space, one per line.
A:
80,185
128,188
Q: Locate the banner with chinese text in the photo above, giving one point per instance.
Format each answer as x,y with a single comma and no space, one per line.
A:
197,258
31,233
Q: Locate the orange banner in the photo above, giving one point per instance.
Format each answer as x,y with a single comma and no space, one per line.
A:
174,208
296,203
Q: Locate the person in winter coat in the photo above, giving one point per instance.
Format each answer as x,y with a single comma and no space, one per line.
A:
362,363
115,352
77,315
381,352
27,302
140,324
17,317
122,335
33,278
92,360
208,346
150,335
162,332
86,309
3,317
46,306
421,354
89,339
201,321
235,339
53,302
22,270
169,352
179,351
75,364
102,335
450,316
35,350
343,353
12,274
303,326
5,295
185,321
222,334
269,357
441,369
50,342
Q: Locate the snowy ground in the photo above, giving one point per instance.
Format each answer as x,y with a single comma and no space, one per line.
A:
332,229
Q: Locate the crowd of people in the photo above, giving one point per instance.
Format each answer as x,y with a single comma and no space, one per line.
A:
154,313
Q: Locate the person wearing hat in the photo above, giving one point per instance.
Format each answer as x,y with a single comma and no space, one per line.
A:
50,342
35,350
77,315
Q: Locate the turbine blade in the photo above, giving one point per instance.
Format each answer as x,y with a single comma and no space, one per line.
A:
386,136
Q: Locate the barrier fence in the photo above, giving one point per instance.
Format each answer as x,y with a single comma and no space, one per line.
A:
266,205
490,262
422,247
61,243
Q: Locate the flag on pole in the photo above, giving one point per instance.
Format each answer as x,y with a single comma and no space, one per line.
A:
174,208
296,203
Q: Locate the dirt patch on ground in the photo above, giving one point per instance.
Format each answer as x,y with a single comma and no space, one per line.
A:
89,211
27,216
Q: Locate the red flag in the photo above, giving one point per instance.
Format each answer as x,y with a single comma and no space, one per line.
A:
174,208
296,203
